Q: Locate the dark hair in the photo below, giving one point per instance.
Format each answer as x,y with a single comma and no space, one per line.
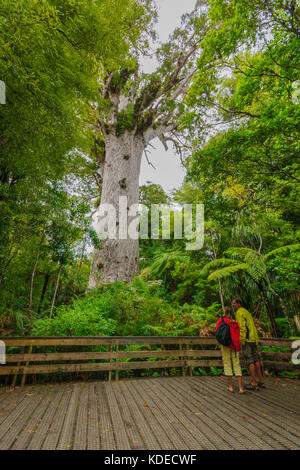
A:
228,311
238,300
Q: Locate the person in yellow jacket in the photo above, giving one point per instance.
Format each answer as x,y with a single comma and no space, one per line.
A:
249,340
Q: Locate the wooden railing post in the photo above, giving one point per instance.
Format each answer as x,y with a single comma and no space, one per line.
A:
26,365
110,362
190,370
14,381
183,359
117,363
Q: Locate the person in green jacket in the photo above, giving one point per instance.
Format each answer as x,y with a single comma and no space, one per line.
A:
249,340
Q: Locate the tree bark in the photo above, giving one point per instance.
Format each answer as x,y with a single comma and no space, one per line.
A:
46,280
118,260
34,270
297,321
55,291
219,280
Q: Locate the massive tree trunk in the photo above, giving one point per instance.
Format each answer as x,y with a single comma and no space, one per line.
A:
118,260
135,108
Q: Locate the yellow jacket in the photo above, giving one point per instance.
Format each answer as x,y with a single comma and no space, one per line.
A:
248,331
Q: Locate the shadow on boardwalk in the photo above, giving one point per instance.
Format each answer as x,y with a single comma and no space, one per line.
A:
161,413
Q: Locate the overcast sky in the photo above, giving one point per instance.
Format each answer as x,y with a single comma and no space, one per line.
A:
169,172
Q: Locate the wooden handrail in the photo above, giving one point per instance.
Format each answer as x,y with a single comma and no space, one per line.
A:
111,360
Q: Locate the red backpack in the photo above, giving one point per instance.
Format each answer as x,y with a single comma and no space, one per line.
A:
234,332
235,335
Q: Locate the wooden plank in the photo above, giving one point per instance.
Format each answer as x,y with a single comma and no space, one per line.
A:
54,430
47,357
18,411
12,399
213,437
43,428
66,437
182,422
150,364
282,365
150,416
19,423
276,356
124,340
24,438
52,368
74,356
140,421
135,439
93,438
271,420
284,343
203,353
80,434
121,438
104,340
162,415
107,436
203,405
204,363
240,430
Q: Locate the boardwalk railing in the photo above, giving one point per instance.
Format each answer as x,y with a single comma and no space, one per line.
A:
30,355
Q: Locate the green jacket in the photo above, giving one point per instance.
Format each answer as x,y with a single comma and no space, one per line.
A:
248,331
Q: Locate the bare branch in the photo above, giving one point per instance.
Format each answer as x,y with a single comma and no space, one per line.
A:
148,161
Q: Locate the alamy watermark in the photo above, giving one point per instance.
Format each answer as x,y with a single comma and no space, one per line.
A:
296,92
2,92
2,352
296,353
141,221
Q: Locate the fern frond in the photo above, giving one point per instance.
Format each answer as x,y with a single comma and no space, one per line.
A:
160,263
225,272
221,262
239,251
256,268
282,251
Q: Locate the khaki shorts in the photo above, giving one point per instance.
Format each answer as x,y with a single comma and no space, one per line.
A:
231,362
250,353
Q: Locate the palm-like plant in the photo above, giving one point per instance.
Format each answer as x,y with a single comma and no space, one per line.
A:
165,262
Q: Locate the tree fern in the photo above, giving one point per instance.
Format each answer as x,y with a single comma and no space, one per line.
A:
227,271
283,250
221,262
161,262
239,251
255,266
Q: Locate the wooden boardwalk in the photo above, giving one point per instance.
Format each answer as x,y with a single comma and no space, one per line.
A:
157,413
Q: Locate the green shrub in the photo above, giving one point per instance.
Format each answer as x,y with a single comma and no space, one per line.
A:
90,316
115,309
